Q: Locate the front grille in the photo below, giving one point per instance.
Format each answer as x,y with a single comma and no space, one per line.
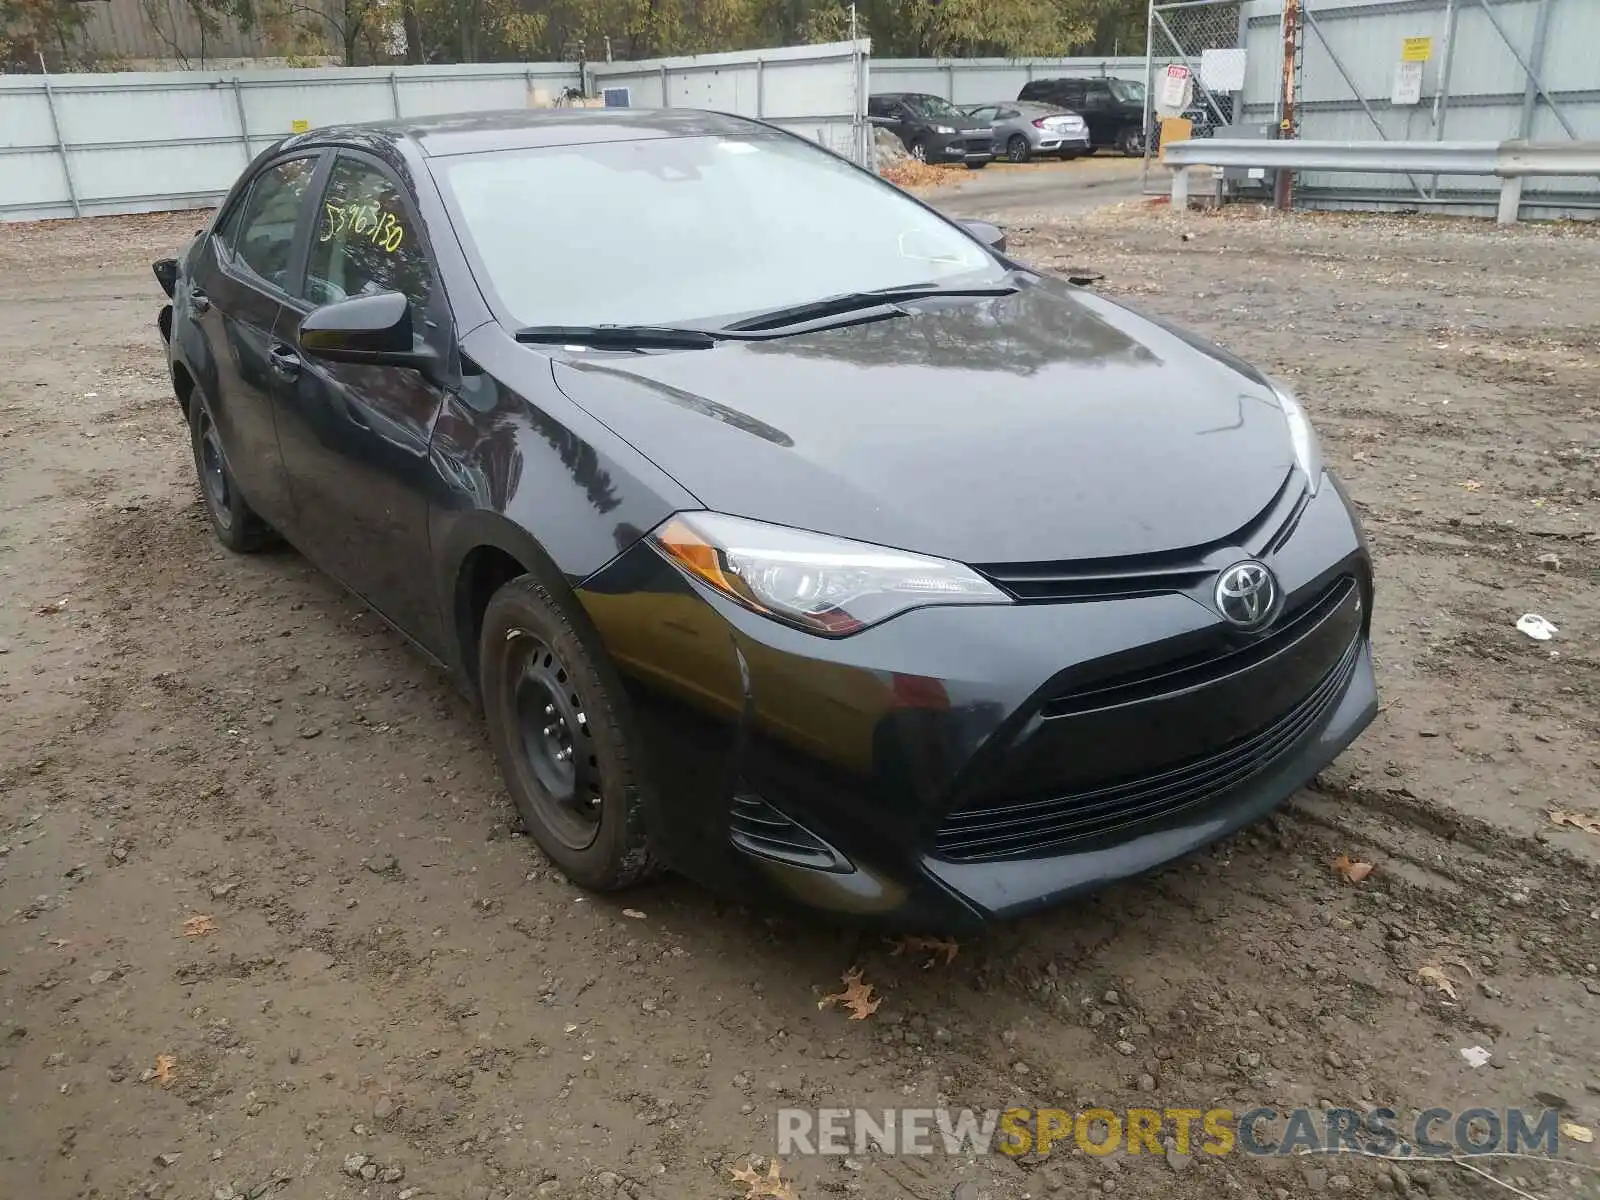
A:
758,828
1129,576
1036,828
1225,656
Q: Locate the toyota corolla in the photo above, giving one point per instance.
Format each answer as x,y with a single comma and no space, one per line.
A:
791,535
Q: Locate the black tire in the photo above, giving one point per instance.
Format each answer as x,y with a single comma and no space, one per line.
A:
1130,141
919,150
233,521
1017,149
547,685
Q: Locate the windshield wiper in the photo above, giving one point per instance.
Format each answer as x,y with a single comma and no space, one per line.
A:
619,337
851,301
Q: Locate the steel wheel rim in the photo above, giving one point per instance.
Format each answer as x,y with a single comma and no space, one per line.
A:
553,742
214,472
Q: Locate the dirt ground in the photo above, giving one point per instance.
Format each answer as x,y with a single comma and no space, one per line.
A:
197,743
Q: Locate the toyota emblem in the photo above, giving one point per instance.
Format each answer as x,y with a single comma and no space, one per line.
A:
1247,594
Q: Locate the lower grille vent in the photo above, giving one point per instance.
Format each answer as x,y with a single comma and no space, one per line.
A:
758,828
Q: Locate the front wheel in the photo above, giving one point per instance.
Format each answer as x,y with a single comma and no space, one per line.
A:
1131,140
561,730
919,150
233,521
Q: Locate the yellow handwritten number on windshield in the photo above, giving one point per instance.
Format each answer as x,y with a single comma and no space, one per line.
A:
367,220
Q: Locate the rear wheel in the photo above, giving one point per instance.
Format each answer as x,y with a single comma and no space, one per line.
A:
561,730
1017,148
233,521
1130,140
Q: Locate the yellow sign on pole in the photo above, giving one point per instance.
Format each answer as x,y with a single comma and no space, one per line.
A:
1174,129
1417,49
299,125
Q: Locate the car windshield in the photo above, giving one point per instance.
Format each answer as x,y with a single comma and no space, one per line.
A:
933,106
1128,93
684,230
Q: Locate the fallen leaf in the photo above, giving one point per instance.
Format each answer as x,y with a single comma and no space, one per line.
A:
164,1065
1435,978
857,996
771,1184
1472,485
1584,821
1578,1133
936,948
634,913
46,610
199,926
1351,872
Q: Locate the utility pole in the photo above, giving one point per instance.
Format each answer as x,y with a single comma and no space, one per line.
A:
1283,186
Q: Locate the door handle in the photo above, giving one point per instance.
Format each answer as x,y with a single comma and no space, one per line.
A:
285,362
199,302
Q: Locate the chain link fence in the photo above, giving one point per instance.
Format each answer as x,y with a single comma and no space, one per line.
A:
1206,37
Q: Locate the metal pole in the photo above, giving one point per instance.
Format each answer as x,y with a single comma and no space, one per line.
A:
950,82
394,94
61,145
666,100
1283,185
761,82
1511,191
1441,95
1149,90
244,126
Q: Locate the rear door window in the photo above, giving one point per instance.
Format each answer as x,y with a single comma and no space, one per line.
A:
264,241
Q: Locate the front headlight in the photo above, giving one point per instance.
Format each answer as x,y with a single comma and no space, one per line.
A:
943,129
1307,451
824,585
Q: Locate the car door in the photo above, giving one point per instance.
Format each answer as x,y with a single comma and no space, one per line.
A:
236,296
1099,113
356,437
910,125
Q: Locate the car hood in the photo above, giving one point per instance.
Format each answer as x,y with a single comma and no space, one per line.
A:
1047,425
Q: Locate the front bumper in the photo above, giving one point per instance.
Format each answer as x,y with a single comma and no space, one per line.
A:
960,147
956,766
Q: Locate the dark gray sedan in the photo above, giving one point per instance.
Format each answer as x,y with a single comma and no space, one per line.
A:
1023,129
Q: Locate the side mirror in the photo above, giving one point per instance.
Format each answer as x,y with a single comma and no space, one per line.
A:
372,330
989,234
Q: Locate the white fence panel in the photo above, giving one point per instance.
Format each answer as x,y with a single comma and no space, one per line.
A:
819,92
145,142
982,80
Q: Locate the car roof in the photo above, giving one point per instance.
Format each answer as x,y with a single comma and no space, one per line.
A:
529,128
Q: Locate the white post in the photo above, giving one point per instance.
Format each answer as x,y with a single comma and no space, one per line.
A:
1180,189
1510,200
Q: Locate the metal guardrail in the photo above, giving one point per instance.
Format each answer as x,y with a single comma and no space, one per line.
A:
1510,161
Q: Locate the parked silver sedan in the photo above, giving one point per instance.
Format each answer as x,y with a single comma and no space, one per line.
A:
1023,128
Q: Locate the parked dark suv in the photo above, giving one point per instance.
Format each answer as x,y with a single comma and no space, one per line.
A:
1112,108
933,129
